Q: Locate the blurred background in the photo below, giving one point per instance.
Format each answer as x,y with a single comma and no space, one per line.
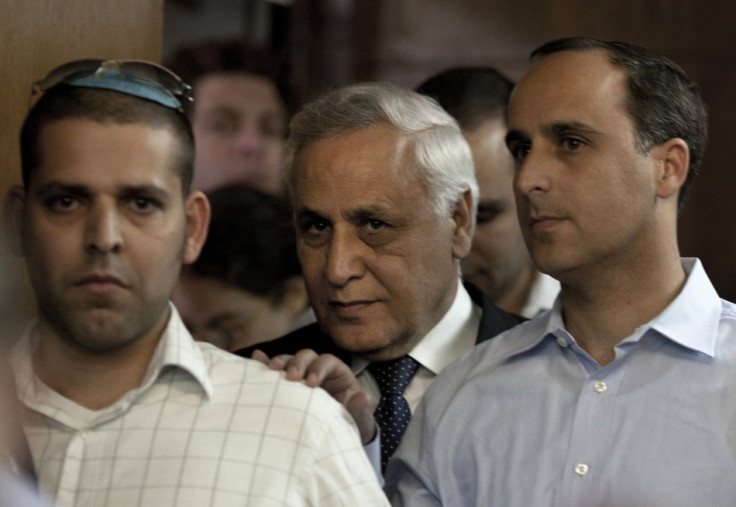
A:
329,43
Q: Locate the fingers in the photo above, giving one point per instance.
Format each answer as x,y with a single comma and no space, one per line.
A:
260,356
358,406
330,373
297,366
300,366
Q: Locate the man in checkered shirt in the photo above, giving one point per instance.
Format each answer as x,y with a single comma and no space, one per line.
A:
121,405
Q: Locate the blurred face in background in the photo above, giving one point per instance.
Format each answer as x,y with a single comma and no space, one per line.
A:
233,318
498,260
239,123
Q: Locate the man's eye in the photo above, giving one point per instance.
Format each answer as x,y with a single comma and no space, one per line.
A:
519,152
375,225
313,225
317,225
572,143
143,204
221,126
62,203
486,215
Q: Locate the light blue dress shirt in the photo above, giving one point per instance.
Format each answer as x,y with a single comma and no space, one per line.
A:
530,419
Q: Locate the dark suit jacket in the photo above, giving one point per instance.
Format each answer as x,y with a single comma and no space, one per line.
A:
493,321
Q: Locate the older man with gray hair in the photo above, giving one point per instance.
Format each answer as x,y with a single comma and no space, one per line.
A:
382,186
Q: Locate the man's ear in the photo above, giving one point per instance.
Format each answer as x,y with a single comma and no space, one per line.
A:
673,159
462,216
198,221
13,207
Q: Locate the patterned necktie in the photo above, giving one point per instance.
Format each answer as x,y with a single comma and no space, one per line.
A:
393,412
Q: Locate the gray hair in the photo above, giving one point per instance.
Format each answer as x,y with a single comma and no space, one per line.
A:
442,155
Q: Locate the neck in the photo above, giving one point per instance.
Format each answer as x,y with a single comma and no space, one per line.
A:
91,378
514,299
608,307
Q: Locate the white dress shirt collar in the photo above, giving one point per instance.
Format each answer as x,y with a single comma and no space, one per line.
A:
450,338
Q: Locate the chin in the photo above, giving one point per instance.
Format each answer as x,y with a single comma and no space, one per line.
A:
363,341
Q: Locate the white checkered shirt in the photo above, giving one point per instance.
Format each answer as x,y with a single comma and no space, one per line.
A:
204,428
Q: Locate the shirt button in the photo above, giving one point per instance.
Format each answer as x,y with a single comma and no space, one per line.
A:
600,387
581,469
562,342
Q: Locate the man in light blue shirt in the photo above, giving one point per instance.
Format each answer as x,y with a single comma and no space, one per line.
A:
623,393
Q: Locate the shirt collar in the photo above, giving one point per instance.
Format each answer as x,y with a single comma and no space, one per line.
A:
693,316
542,295
178,349
175,349
453,335
690,320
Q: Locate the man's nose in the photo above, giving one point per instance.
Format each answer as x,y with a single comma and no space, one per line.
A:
533,173
344,257
104,229
249,138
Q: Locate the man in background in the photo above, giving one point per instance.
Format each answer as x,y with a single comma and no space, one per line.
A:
246,286
240,114
498,261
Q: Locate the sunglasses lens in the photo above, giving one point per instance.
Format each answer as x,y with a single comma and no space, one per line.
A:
61,73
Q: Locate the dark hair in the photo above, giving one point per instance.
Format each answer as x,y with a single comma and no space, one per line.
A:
103,106
663,102
232,56
471,95
251,242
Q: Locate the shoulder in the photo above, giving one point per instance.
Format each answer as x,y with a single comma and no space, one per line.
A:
254,391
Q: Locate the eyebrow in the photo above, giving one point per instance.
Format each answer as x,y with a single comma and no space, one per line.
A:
57,186
551,130
83,190
368,211
305,213
558,128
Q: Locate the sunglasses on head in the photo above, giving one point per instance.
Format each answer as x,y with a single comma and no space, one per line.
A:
139,78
